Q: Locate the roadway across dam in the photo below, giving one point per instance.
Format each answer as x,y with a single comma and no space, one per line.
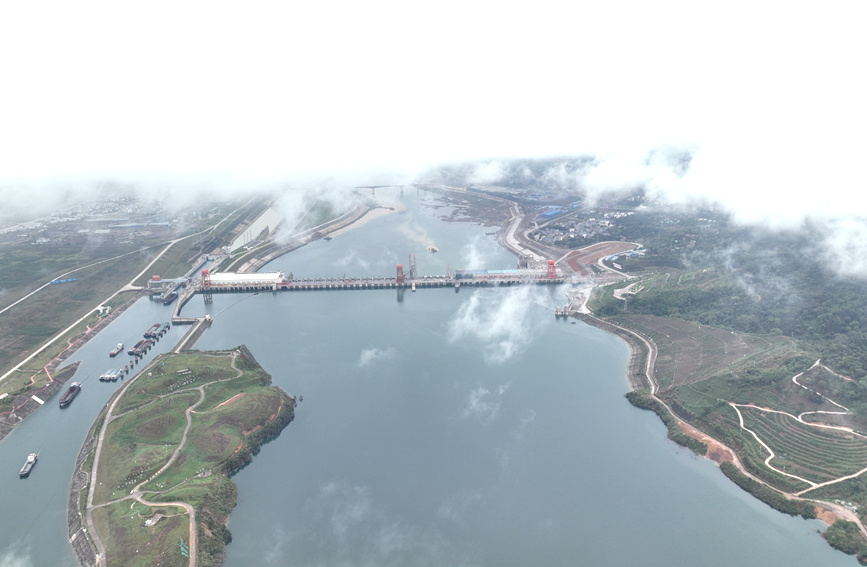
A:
210,284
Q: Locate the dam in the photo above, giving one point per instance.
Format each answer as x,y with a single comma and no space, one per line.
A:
232,282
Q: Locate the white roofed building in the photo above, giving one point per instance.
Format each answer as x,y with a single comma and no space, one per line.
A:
256,279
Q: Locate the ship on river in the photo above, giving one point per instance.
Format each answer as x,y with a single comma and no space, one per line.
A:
70,394
116,350
28,466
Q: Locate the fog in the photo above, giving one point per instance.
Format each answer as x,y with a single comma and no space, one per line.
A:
176,100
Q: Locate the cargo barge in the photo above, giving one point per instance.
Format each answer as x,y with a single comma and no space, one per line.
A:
157,330
28,466
136,348
141,347
116,351
70,394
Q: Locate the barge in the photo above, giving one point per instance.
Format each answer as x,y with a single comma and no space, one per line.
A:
70,394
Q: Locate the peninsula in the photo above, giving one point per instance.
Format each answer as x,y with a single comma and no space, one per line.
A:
152,481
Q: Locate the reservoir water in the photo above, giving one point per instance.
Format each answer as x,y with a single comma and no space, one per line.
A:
437,428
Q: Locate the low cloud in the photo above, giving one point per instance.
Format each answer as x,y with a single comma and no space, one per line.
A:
347,526
526,421
488,172
348,507
499,322
278,547
844,245
14,558
477,253
352,258
483,405
370,355
457,507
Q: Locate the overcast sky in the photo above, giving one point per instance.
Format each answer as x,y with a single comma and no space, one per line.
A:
770,96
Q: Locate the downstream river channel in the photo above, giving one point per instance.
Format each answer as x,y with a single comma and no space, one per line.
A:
437,428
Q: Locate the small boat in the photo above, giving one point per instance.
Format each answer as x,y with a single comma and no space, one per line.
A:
116,351
70,394
28,466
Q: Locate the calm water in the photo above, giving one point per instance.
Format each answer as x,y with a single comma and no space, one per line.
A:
437,428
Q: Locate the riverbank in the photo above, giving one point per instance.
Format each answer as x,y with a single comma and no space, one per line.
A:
642,395
370,215
25,403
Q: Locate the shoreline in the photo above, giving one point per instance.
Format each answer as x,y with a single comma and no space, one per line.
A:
10,420
717,451
371,214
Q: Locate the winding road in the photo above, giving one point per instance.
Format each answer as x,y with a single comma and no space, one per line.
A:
136,493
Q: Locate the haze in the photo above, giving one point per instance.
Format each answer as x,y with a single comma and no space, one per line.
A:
768,98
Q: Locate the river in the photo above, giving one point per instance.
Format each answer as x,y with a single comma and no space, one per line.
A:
437,428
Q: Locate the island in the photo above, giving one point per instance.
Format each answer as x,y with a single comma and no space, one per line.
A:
152,482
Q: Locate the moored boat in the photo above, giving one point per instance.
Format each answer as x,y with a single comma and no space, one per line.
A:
70,394
136,348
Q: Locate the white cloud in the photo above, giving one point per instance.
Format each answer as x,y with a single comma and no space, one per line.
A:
457,506
499,322
217,97
477,253
526,421
12,558
488,172
370,355
483,405
349,506
351,527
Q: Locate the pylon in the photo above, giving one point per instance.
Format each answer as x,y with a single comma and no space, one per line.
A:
552,270
206,287
400,275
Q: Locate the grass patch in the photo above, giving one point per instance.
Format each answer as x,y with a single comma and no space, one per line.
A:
173,262
133,544
139,443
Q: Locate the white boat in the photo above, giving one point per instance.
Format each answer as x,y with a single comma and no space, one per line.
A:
28,465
